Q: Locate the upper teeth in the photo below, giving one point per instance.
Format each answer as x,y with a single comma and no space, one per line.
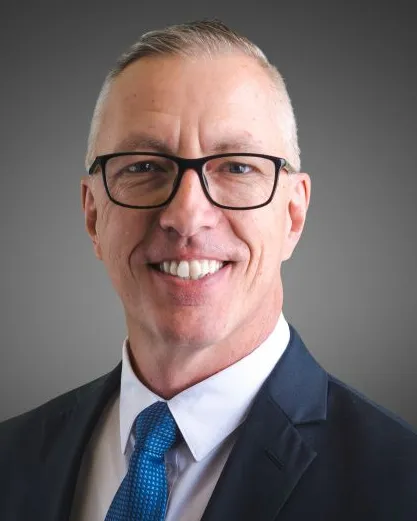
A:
194,269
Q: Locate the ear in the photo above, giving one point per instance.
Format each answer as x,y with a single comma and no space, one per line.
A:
89,206
298,201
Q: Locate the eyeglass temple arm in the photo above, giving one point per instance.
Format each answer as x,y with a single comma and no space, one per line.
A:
289,168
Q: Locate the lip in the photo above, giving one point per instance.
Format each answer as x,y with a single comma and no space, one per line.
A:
189,291
188,257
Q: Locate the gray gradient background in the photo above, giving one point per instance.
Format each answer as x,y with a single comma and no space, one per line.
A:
350,288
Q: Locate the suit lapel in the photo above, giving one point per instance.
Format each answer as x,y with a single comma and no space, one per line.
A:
263,468
265,465
270,455
65,436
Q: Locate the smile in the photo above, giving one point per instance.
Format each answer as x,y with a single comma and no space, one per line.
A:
190,269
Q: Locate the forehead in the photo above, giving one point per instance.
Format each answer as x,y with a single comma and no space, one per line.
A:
176,101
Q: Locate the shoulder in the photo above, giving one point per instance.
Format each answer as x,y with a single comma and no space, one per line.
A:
348,405
53,407
339,408
363,436
366,457
23,430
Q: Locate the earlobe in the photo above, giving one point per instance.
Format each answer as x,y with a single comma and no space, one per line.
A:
90,216
298,203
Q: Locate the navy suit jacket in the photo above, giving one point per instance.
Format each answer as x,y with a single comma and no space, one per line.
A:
310,449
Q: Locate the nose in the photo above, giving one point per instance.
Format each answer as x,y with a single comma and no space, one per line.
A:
190,211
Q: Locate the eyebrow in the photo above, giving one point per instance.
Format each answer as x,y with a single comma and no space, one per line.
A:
145,141
238,144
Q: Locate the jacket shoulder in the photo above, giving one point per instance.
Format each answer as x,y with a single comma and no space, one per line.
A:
371,444
40,450
366,460
14,432
346,404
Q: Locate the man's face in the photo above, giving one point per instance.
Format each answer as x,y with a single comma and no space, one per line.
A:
193,109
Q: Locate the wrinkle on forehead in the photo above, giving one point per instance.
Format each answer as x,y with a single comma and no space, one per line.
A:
155,142
225,109
147,130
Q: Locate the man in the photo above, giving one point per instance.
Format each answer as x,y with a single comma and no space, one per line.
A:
217,411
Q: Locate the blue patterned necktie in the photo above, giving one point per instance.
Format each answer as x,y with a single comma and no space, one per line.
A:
143,493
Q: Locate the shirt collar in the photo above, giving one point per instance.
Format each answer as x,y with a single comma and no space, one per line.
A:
209,411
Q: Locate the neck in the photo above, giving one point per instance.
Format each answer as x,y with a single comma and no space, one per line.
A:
168,369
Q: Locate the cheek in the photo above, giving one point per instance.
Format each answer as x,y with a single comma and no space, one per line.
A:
266,233
120,230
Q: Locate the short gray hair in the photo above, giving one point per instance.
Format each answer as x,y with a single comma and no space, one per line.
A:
195,39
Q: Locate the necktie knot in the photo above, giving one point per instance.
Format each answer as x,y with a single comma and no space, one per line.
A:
156,430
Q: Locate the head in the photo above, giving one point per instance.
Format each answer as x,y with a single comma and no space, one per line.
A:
195,90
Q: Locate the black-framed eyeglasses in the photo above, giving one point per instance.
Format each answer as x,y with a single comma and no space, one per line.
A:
145,180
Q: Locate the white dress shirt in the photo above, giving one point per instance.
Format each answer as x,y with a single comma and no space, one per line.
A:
208,415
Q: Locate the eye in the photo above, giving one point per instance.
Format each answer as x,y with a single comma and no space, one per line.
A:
142,167
236,168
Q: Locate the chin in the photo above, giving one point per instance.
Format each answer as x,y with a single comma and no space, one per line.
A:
193,334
